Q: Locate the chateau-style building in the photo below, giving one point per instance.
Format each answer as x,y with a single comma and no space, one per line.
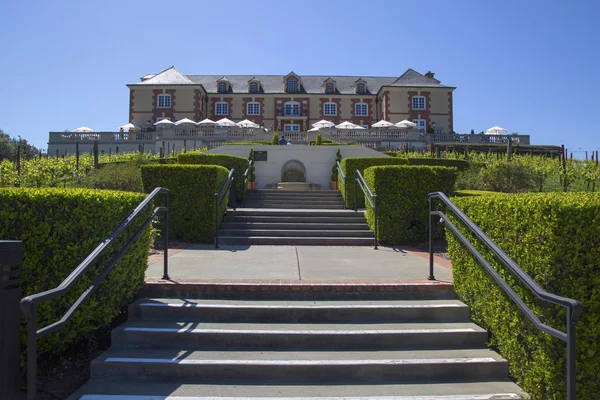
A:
293,102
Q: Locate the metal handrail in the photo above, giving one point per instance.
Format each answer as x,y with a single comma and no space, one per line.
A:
341,173
574,307
246,175
229,183
371,198
29,304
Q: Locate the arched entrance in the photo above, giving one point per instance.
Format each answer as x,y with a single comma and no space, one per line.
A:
293,171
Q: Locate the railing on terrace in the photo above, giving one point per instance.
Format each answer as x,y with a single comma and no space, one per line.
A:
573,307
102,137
209,132
295,136
478,139
369,196
220,197
29,304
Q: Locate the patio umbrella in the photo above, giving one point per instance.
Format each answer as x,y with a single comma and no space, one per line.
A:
405,124
164,122
323,124
185,121
247,124
313,130
348,125
495,130
382,124
206,121
128,127
83,129
225,122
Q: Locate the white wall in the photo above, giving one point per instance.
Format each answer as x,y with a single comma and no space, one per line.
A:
318,160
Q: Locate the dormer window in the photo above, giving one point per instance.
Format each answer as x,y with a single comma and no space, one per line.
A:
329,88
253,87
360,88
222,87
292,85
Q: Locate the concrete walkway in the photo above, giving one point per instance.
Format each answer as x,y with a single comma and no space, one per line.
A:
193,262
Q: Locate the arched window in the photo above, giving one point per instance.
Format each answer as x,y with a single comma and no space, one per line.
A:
330,109
163,101
292,85
329,88
291,108
222,87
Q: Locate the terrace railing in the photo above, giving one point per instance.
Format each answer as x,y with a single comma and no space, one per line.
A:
573,307
478,139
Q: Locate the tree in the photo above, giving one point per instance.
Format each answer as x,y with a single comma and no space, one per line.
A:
9,147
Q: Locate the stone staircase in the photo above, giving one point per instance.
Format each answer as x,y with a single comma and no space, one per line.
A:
287,217
409,344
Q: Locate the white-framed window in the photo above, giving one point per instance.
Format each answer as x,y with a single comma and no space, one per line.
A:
361,109
421,124
222,87
163,101
253,108
360,88
161,118
330,109
291,127
439,131
329,88
292,85
291,108
418,103
253,87
221,108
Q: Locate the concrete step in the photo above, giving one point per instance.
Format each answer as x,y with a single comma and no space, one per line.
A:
303,367
297,336
309,205
236,216
249,211
273,203
103,389
219,310
291,194
295,226
315,233
295,241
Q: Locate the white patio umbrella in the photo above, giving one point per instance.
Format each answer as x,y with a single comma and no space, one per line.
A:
206,121
314,130
225,122
323,124
128,127
247,124
348,125
495,130
83,129
185,121
382,124
405,124
164,122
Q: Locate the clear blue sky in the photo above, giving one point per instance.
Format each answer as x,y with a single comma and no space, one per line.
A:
528,66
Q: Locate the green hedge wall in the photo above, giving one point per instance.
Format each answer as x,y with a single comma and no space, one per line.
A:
402,199
351,164
439,162
192,201
59,228
555,238
239,163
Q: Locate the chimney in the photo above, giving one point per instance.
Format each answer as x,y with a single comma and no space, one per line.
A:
429,74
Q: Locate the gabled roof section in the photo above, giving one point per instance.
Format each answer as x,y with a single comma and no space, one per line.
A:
253,79
291,74
223,79
170,76
360,80
413,78
329,80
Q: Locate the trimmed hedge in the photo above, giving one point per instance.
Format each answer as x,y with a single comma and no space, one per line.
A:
439,162
192,201
59,228
402,199
555,238
239,163
351,164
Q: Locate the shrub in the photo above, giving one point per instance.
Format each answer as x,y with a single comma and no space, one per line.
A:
390,153
439,162
507,176
59,228
351,164
275,138
124,176
319,140
192,200
334,169
238,163
555,238
402,199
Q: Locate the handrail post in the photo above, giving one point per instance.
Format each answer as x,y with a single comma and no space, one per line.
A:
216,220
431,277
166,238
375,210
233,192
571,356
32,353
355,183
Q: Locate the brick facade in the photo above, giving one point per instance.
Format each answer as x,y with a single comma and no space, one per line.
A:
257,119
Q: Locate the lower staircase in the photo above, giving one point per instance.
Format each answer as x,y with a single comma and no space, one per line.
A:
406,344
289,217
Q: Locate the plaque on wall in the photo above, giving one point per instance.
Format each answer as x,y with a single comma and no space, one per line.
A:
260,156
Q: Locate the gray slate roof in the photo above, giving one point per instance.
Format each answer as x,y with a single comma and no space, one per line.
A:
274,83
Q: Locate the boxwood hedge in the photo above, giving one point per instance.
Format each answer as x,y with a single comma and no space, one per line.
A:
238,163
192,201
555,238
59,228
402,199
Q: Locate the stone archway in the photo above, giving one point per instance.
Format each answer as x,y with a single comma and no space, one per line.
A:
293,171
